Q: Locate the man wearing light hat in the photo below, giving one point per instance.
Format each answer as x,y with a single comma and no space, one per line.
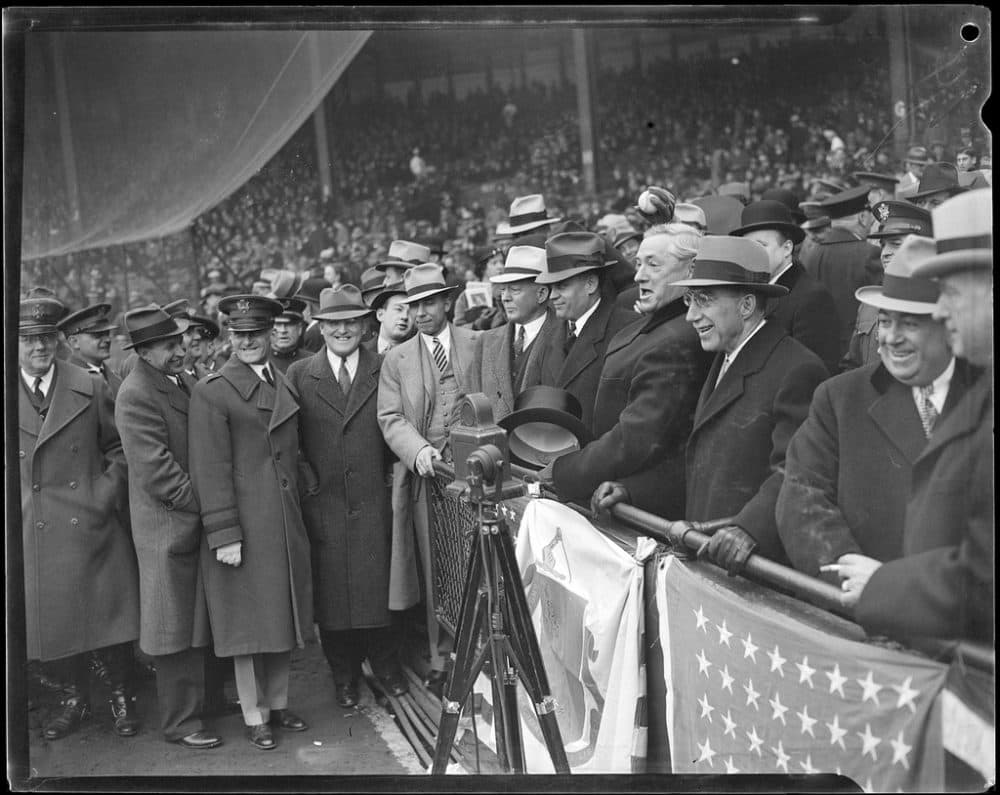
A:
512,350
422,383
528,214
88,334
255,557
80,581
755,397
286,336
848,468
402,256
943,586
349,517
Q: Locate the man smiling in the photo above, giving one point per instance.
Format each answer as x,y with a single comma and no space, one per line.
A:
88,334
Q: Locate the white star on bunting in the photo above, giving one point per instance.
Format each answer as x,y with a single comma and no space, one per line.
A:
749,649
727,680
805,672
730,767
730,724
900,751
706,708
703,663
869,742
706,752
906,694
807,722
871,688
836,680
752,695
755,741
700,618
807,766
777,661
837,733
724,634
778,707
782,757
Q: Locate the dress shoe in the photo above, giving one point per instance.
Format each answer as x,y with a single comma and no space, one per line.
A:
72,713
123,713
260,737
347,695
436,681
394,683
200,741
288,721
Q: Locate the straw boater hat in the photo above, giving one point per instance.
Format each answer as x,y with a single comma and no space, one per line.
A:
249,312
570,254
524,263
963,237
900,218
724,260
423,281
343,302
527,213
900,290
769,214
95,319
152,323
404,254
39,316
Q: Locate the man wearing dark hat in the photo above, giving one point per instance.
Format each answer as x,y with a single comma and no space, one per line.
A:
896,220
152,413
938,184
649,384
349,518
914,163
575,354
392,314
309,291
943,586
286,336
756,395
422,382
807,312
848,468
88,334
244,451
80,582
198,346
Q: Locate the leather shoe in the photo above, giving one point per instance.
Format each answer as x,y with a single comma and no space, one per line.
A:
393,683
74,710
347,695
435,682
123,712
288,721
260,737
200,741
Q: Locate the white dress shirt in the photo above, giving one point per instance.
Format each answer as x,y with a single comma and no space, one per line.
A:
531,329
581,321
259,370
939,386
731,357
444,336
46,380
352,363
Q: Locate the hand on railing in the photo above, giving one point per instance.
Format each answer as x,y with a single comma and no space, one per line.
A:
854,571
729,547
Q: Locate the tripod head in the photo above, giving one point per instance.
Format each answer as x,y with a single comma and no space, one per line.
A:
479,449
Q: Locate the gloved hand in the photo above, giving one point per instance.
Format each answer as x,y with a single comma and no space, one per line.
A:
230,554
656,205
606,495
730,547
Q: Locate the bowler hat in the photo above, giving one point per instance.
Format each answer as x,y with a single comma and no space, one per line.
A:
93,319
404,254
377,301
285,284
523,263
722,213
725,260
900,290
39,316
769,214
151,323
310,289
848,202
963,235
423,281
527,213
937,178
571,253
343,302
545,423
249,312
900,218
787,198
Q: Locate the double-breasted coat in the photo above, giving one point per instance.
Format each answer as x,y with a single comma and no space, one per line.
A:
244,449
152,416
80,583
736,451
349,518
848,468
643,412
807,313
943,585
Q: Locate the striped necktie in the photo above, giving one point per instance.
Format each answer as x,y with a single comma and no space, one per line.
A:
928,414
440,357
570,335
518,345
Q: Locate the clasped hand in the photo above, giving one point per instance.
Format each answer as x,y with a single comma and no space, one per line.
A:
230,554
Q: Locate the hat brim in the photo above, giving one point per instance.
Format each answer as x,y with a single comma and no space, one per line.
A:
972,259
412,299
873,296
379,299
95,330
381,266
791,231
531,225
542,415
342,314
507,278
768,289
182,326
951,190
569,273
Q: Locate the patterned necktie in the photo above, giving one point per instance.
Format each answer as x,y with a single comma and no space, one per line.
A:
440,357
267,375
570,335
344,377
37,389
518,345
928,414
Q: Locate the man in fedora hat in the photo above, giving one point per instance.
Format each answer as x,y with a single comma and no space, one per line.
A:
914,163
88,334
649,383
392,314
897,220
938,184
528,215
152,414
244,457
286,336
756,395
402,256
349,517
80,582
807,313
309,291
422,382
943,585
513,349
848,467
573,358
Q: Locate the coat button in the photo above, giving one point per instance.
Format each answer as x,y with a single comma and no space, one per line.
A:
35,487
72,484
284,483
74,521
40,525
277,456
74,448
20,453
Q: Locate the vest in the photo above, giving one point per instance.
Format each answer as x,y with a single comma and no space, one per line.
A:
446,394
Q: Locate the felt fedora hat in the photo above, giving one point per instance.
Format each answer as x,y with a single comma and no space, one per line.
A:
787,198
285,284
377,300
900,290
151,323
423,281
769,214
572,253
39,316
937,178
544,424
310,289
625,236
692,215
963,235
725,260
900,218
95,319
404,254
249,312
343,302
722,213
527,213
372,280
523,263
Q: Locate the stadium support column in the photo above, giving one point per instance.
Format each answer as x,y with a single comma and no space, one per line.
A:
585,109
65,132
319,124
898,70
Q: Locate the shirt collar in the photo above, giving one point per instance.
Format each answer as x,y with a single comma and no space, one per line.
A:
531,329
352,362
731,357
259,370
46,379
444,335
581,321
781,272
939,387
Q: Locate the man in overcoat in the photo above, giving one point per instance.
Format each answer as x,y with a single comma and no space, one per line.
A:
80,582
244,450
421,384
152,414
349,519
88,334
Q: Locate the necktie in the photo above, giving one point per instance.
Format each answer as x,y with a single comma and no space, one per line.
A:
928,414
267,375
344,378
37,389
181,385
726,361
570,335
518,345
440,357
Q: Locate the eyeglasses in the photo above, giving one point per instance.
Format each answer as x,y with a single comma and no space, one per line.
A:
698,298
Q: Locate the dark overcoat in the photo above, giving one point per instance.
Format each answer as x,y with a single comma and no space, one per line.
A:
244,448
349,519
283,361
943,585
809,315
848,468
105,371
152,416
863,347
579,371
81,588
736,451
643,412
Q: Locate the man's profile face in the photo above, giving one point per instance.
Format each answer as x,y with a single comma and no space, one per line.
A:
966,308
165,355
572,297
92,348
